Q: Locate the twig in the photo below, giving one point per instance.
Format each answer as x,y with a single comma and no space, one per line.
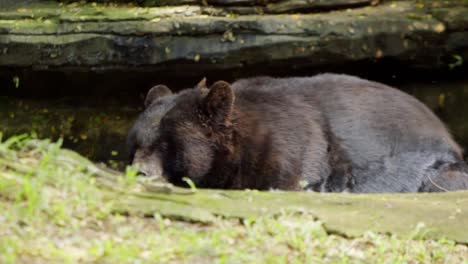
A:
436,185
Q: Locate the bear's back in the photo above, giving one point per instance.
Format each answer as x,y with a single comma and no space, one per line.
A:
370,120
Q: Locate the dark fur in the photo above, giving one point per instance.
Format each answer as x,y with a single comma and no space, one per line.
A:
332,132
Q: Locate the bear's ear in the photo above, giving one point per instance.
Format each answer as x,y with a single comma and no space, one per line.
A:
155,93
219,102
201,84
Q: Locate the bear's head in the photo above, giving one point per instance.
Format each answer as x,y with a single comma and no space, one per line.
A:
181,135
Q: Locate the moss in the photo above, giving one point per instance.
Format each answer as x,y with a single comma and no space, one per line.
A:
58,207
87,130
40,12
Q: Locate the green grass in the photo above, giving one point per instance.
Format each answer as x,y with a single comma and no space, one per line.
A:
55,209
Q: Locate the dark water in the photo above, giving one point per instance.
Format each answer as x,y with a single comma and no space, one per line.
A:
93,111
449,100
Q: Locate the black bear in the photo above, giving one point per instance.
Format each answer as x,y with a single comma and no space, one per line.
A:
329,133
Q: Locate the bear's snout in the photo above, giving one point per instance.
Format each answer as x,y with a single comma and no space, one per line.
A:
148,164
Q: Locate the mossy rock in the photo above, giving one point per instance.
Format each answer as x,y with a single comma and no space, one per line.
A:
202,39
428,215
